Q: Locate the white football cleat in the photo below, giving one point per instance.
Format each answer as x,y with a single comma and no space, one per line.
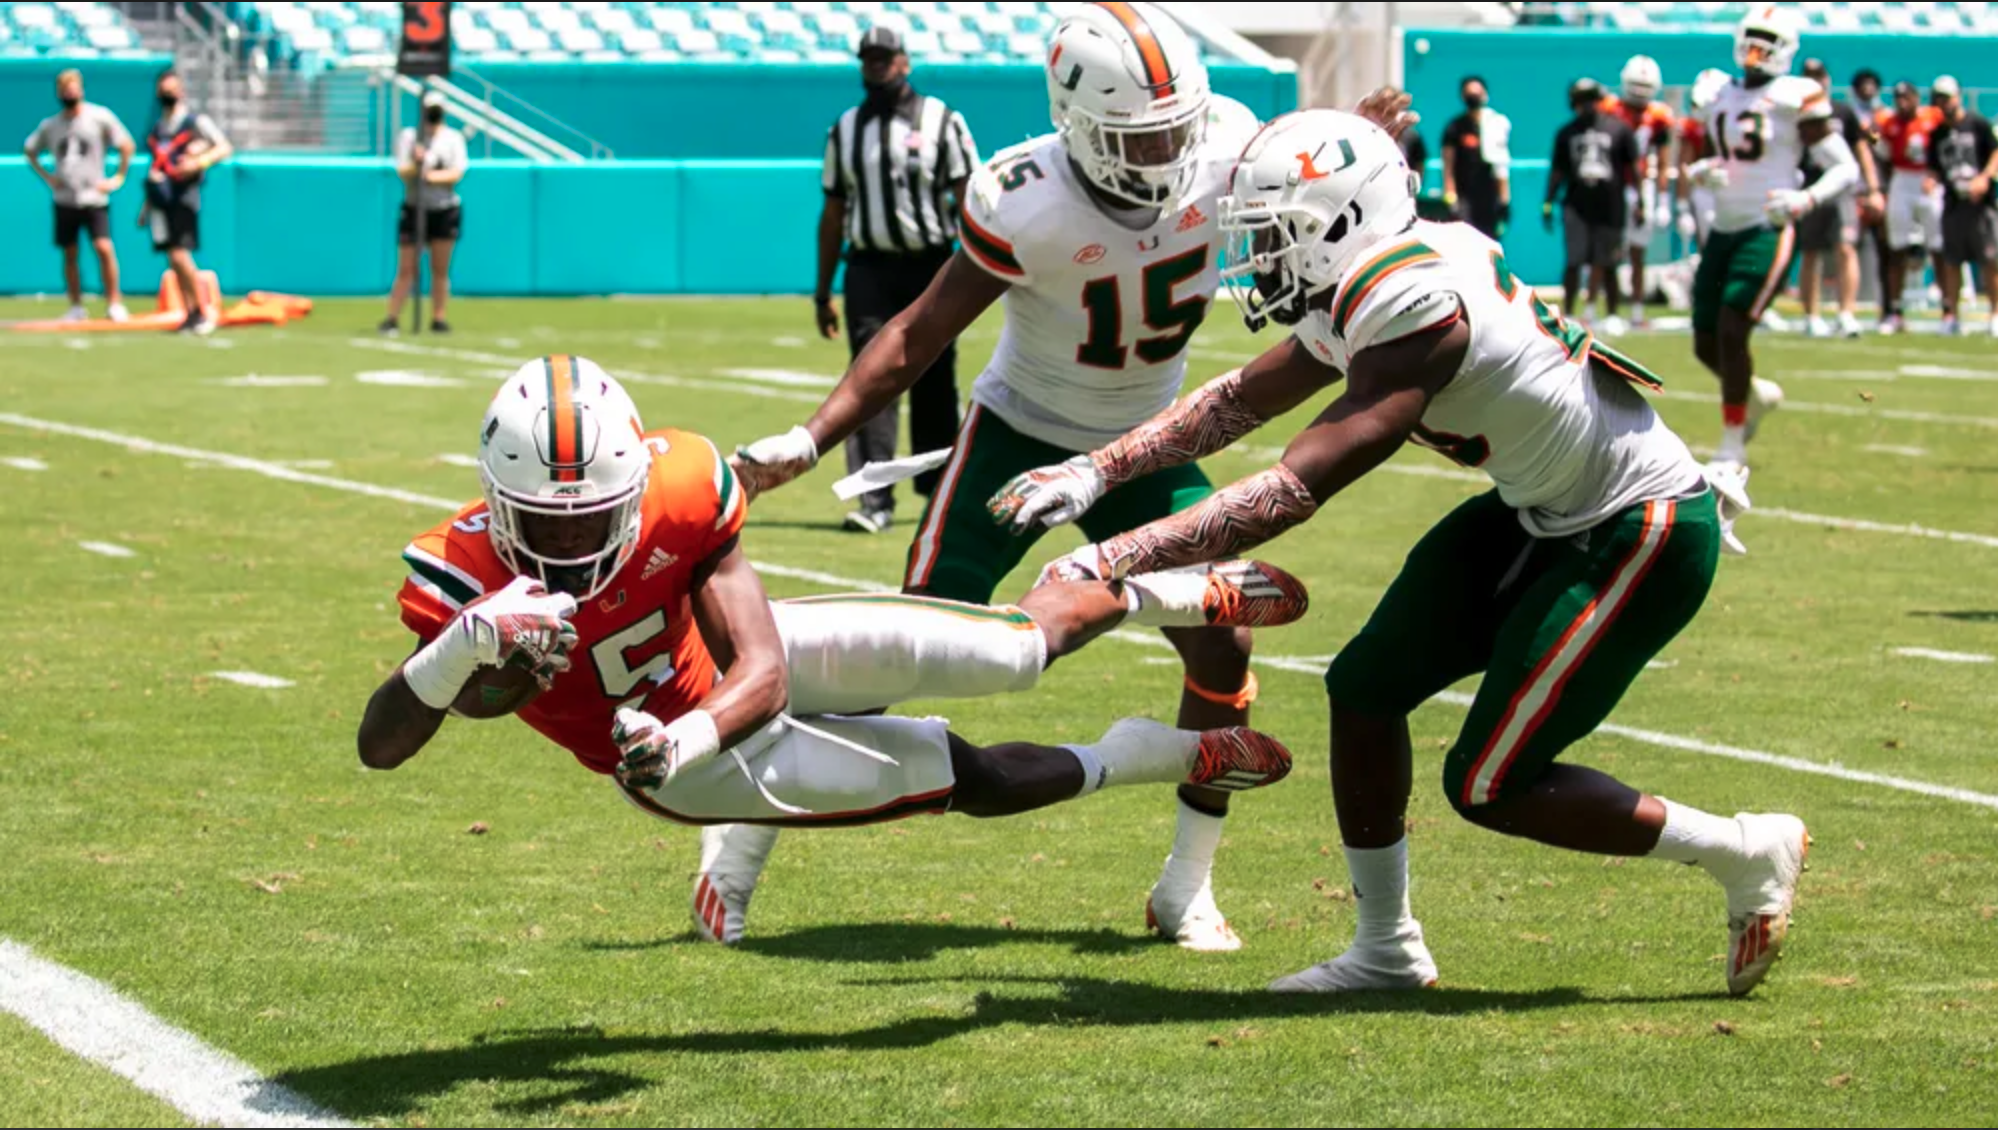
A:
1190,918
76,314
732,857
1760,898
1848,326
117,312
1401,964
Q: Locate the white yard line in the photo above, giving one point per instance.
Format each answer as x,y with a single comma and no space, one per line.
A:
105,549
1895,449
1943,656
254,679
510,363
1985,540
24,463
1144,639
95,1022
1848,410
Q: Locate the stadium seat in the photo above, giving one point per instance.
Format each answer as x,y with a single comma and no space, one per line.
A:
821,31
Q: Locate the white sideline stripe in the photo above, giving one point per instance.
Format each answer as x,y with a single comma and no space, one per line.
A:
93,1021
1949,373
1424,471
1873,527
254,679
509,364
24,463
258,380
788,342
791,377
1896,449
406,378
105,548
1847,410
1143,639
1943,656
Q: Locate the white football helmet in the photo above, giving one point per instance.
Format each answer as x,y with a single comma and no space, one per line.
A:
1128,95
1312,192
1708,85
1641,80
1767,40
562,440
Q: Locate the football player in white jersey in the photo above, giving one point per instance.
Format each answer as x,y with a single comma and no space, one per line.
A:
1100,240
1596,548
1758,128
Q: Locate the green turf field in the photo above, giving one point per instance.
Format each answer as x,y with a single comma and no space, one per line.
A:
215,852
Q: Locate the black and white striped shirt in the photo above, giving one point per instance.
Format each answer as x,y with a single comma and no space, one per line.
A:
895,172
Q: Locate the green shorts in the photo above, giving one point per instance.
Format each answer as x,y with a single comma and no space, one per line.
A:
1559,626
1741,270
961,553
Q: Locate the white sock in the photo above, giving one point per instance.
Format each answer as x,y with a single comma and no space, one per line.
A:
739,849
1734,441
1700,838
1193,847
1380,891
1167,600
1637,311
1137,751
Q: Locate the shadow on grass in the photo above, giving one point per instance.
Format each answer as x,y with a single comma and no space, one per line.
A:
892,943
1969,615
564,1059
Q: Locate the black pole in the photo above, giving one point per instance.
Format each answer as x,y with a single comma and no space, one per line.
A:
422,245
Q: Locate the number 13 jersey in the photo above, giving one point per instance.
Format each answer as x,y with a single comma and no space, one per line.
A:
1100,312
636,640
1754,130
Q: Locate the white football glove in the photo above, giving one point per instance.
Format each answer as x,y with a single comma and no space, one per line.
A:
1708,172
1085,564
1689,228
1786,206
772,461
522,623
1049,495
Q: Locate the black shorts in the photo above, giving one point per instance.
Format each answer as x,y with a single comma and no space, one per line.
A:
175,225
1589,242
1970,233
438,223
71,220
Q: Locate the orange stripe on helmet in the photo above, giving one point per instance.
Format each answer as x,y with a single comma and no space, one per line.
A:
1157,74
565,430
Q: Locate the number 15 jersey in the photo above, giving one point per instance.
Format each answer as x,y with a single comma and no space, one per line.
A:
1754,130
1100,312
636,640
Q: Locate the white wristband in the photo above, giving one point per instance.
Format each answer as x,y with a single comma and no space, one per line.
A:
440,670
695,738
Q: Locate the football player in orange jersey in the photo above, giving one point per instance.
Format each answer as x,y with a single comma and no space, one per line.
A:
1914,196
1652,122
600,591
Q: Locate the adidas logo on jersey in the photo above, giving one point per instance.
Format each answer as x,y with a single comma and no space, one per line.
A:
1192,218
657,563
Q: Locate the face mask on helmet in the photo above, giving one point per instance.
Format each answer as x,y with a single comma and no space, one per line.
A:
1149,164
563,465
1764,51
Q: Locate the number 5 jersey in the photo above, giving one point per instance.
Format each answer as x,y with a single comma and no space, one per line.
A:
637,642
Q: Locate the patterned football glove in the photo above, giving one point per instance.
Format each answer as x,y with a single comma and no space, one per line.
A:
522,624
655,752
1048,495
772,461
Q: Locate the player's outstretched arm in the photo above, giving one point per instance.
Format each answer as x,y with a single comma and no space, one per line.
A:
732,613
894,359
1203,422
1386,393
397,724
1830,152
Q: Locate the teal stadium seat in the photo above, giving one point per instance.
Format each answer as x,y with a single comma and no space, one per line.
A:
1012,31
71,29
1899,17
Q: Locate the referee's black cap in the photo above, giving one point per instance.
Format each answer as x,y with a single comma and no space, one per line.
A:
880,39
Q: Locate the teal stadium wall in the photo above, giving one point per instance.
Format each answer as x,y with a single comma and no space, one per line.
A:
714,190
1529,70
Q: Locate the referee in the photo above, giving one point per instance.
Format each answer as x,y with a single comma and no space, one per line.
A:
895,168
